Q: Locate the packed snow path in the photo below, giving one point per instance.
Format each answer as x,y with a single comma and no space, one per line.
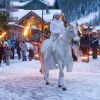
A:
23,81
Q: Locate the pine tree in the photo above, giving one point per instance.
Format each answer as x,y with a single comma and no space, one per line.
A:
4,19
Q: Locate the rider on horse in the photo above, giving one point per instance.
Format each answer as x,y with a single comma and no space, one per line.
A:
56,28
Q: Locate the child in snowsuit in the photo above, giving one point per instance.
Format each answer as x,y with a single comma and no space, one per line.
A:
8,54
23,47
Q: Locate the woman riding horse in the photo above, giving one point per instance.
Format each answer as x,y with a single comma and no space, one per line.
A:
56,28
56,50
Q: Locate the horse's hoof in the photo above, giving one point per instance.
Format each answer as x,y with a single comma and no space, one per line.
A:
47,83
59,86
64,89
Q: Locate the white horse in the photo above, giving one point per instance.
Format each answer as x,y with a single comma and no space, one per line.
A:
61,56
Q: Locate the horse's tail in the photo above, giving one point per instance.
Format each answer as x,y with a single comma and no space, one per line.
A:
42,63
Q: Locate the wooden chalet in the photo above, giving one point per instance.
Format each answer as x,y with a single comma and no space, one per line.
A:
34,19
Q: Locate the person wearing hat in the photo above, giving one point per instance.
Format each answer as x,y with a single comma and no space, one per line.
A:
84,43
8,54
1,52
56,28
94,46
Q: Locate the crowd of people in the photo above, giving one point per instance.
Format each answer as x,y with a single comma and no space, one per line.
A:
89,42
8,49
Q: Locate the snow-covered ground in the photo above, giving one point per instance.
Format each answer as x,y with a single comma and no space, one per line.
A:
23,81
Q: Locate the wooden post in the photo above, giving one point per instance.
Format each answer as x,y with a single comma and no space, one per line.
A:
42,24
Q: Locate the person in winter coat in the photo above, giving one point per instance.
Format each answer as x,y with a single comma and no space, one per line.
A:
94,46
8,54
23,47
13,48
30,54
1,52
84,43
4,56
17,45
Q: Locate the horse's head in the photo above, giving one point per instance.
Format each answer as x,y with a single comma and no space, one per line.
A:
72,32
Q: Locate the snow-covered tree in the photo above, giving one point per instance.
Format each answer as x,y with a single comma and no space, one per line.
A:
75,9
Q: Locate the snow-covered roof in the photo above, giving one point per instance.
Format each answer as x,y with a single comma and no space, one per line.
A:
19,4
14,24
51,2
47,17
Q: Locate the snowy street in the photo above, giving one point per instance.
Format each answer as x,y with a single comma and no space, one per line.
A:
23,81
57,32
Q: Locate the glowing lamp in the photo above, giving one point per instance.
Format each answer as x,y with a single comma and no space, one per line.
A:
90,52
85,58
37,55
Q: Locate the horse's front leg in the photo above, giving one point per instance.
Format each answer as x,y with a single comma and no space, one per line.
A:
61,82
46,77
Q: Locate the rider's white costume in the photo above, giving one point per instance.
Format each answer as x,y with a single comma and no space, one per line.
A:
56,27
